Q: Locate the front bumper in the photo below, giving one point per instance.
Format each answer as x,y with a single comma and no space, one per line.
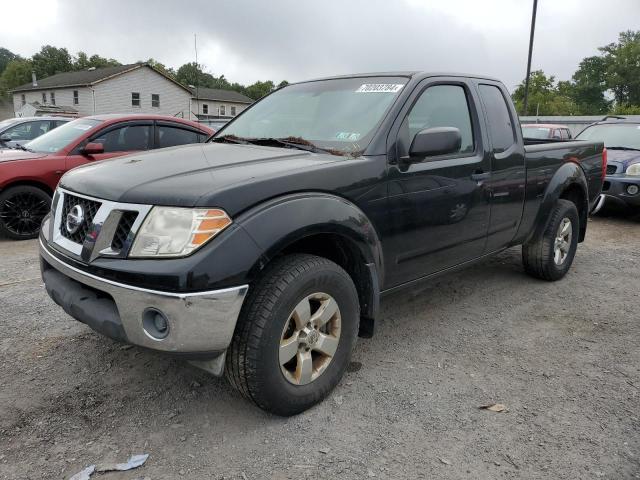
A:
615,189
200,325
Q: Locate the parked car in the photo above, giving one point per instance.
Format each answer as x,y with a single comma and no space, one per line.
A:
263,253
18,131
29,176
622,139
543,131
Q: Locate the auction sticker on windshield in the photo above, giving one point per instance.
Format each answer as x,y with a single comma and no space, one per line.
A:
379,88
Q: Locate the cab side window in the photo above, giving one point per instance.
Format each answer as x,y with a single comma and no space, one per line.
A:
438,106
126,138
172,136
28,130
499,119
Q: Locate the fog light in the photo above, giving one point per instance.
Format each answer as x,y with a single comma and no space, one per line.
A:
633,189
155,324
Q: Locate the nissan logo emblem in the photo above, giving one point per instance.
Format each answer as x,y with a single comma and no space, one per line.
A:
75,219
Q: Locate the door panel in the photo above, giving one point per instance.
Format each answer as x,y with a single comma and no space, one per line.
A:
508,172
438,207
118,139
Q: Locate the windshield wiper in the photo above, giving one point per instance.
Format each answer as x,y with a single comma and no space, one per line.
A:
293,142
22,147
230,139
623,148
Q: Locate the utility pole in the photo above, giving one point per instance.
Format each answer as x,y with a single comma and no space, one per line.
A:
526,82
195,46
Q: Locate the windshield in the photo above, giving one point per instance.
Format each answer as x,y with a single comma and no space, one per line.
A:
57,139
535,132
339,115
625,135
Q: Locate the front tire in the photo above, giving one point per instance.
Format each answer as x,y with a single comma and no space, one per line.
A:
22,209
550,255
295,334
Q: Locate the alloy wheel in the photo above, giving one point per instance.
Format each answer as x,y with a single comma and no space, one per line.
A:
562,243
310,338
22,213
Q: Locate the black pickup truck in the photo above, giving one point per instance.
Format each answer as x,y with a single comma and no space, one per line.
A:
264,252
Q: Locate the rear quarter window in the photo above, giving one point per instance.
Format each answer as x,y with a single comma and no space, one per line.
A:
498,117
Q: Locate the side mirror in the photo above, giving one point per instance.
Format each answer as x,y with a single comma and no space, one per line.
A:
93,149
5,138
435,141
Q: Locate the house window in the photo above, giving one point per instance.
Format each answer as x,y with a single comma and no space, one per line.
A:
233,111
155,100
53,98
76,100
205,108
23,99
222,110
135,99
44,97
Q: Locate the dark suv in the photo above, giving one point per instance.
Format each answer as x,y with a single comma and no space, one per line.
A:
621,137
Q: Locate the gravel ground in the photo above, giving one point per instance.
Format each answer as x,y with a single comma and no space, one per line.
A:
562,357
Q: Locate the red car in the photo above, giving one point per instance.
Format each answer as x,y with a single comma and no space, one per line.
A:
544,131
29,175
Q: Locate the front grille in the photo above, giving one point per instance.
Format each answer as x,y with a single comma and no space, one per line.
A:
89,208
611,169
123,230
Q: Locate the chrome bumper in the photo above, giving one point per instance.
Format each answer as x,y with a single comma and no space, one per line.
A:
199,323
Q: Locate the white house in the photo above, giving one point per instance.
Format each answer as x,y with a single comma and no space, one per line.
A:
137,88
212,104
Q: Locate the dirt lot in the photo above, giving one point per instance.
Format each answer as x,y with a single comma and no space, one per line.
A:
564,358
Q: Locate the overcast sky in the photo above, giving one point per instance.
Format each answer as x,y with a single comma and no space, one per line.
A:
298,39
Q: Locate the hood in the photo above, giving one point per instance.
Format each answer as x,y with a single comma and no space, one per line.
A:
190,175
623,157
8,155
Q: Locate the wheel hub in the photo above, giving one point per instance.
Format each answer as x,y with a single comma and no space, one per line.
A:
562,242
310,338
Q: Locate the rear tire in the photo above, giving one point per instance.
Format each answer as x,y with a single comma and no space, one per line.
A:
550,255
22,209
277,365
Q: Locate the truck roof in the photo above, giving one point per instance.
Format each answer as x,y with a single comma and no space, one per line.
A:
544,125
417,74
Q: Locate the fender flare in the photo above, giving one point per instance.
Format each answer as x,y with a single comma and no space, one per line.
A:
568,175
278,223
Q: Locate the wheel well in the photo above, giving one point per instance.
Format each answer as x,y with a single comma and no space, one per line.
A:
574,193
344,252
31,183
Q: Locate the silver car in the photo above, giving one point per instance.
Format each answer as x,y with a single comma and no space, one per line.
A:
18,131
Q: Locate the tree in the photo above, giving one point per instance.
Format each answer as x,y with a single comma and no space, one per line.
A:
622,75
192,74
589,86
83,62
259,89
51,60
545,97
283,83
5,57
18,72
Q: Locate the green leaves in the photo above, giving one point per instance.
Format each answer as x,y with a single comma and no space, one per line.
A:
614,73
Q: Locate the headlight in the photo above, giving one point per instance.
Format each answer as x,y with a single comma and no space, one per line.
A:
177,232
633,169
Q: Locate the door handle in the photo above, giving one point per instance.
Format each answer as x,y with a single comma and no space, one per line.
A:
479,175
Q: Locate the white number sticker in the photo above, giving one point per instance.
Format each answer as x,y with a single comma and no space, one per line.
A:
379,88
